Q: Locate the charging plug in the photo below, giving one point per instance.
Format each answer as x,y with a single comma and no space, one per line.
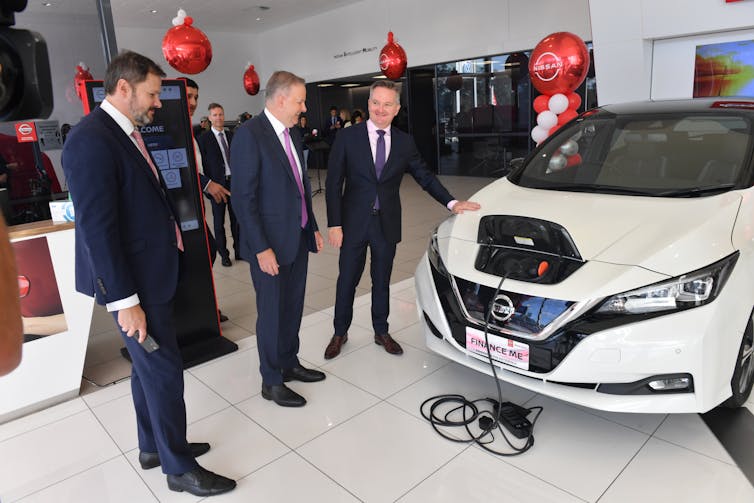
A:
485,423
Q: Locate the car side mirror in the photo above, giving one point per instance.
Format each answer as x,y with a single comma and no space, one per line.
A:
516,163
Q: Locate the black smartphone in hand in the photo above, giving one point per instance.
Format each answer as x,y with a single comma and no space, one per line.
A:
149,343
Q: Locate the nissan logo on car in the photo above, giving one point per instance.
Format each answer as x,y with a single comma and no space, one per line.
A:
502,308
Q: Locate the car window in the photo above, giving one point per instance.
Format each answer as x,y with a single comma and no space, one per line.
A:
672,155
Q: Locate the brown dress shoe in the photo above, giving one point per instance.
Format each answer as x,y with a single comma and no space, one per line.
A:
388,343
333,349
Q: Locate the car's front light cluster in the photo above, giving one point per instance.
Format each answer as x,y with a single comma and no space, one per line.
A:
690,290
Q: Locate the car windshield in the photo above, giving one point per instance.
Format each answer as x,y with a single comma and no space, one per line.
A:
668,155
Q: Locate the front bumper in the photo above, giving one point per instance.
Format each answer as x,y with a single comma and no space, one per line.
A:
690,342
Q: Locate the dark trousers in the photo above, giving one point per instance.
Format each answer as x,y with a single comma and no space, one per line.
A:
157,392
218,217
352,259
280,305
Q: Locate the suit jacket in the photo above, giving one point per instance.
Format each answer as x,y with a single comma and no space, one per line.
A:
265,194
352,183
125,228
212,156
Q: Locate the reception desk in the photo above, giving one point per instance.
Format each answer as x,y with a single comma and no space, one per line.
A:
56,321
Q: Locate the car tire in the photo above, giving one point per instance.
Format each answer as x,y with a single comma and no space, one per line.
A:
743,374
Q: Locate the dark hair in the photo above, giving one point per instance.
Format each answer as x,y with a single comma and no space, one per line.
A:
215,105
191,83
387,84
334,108
356,114
131,67
281,81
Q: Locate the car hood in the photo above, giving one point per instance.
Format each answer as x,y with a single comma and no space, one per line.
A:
671,236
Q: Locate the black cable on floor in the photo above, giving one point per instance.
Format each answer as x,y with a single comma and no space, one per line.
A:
470,411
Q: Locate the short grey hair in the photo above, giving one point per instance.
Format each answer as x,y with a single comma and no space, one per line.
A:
280,82
387,84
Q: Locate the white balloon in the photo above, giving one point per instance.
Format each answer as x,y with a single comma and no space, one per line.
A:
538,134
569,148
547,120
558,103
557,162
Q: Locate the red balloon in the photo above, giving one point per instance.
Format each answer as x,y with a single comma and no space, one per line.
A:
82,75
567,116
187,49
541,103
573,160
574,101
559,63
251,81
393,59
553,129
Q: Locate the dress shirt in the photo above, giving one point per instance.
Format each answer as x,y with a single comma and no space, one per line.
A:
279,127
128,127
222,149
199,164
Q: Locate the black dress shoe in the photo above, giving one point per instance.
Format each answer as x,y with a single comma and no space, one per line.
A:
388,343
226,262
222,317
333,348
149,460
282,395
201,482
302,374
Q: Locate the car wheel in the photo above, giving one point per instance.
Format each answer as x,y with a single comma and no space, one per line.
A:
743,374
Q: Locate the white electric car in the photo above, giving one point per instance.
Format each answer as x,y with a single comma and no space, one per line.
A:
614,267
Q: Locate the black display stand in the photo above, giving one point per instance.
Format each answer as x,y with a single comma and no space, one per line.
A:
318,149
171,146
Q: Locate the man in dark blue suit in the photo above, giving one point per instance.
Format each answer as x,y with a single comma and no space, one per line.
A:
273,202
364,174
214,146
128,248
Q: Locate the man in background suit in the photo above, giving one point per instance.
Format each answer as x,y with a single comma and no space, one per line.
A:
214,146
273,200
369,160
128,247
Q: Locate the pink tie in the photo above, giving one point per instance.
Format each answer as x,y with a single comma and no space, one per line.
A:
294,167
143,149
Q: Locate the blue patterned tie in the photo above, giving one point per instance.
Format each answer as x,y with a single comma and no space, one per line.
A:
379,160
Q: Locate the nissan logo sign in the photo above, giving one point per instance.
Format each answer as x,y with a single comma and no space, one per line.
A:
502,308
25,128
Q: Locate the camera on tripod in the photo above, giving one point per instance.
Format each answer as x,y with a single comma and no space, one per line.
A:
25,81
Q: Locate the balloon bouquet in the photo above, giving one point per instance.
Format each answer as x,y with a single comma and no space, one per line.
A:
557,67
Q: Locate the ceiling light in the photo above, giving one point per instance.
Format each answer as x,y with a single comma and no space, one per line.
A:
153,11
350,85
262,7
326,84
379,77
259,19
47,4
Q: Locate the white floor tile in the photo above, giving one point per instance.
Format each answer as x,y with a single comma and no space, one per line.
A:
315,337
379,454
407,294
663,472
645,423
576,451
412,334
52,453
41,418
235,377
239,447
690,431
114,481
372,369
477,476
269,484
329,403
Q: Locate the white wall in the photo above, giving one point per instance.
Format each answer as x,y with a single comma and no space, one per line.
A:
641,48
431,31
221,82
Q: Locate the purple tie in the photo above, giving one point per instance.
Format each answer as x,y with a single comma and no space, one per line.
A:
379,161
294,167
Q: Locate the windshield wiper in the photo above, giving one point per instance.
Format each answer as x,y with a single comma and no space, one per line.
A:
602,189
696,191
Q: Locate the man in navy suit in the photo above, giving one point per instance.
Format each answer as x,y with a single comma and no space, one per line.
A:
364,174
214,146
128,247
273,202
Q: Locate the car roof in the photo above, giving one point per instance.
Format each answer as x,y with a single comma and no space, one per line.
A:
733,104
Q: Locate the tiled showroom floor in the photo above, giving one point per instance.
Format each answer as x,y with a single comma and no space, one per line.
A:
360,437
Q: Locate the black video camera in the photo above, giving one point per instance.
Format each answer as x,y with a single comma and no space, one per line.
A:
25,80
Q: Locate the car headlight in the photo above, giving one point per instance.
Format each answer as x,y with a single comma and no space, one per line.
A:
433,253
687,291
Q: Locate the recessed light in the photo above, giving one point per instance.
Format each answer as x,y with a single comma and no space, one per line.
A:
379,77
47,4
350,85
326,84
262,7
259,19
153,11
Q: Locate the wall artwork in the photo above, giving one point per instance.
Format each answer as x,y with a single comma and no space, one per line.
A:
724,69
